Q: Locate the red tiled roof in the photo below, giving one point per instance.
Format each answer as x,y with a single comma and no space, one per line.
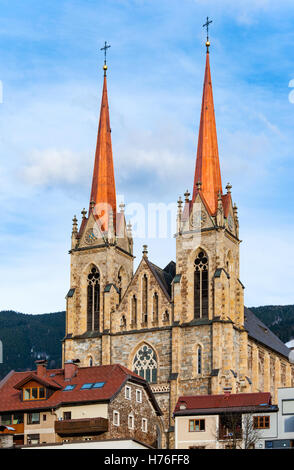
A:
44,380
114,377
206,402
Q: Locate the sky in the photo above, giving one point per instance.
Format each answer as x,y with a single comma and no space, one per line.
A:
51,83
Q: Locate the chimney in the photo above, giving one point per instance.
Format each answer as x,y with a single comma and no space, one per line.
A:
41,367
70,368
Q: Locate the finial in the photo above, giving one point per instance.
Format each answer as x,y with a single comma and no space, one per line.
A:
187,194
180,202
206,25
74,225
235,209
122,207
84,212
105,50
228,188
145,251
129,229
92,204
198,185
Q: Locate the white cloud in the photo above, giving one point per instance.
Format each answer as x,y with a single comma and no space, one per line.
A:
55,167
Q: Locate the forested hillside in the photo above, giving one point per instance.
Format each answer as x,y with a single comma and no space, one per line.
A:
26,338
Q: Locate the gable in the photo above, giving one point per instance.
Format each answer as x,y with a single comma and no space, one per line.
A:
92,234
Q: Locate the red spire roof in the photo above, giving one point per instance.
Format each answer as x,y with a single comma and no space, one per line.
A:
207,163
103,183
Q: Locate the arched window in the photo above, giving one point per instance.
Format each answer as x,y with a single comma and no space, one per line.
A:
165,316
119,284
134,310
123,321
155,306
93,299
145,363
201,286
144,299
90,361
199,360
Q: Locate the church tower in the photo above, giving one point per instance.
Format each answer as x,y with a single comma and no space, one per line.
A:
101,253
208,295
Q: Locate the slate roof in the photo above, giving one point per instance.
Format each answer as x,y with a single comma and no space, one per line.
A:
164,276
261,333
225,402
113,376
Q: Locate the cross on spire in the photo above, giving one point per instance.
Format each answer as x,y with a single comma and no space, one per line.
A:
206,25
106,46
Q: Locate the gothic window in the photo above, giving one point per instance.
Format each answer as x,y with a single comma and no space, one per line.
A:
144,299
145,363
155,306
134,310
201,286
93,299
123,321
199,360
90,361
165,316
119,284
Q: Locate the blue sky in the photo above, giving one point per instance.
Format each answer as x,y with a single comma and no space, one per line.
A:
51,74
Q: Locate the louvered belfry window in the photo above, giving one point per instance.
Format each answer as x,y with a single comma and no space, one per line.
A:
93,299
201,286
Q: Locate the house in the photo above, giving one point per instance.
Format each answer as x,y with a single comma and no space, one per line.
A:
79,404
283,435
224,421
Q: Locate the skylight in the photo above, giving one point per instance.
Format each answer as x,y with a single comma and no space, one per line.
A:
68,388
98,384
86,386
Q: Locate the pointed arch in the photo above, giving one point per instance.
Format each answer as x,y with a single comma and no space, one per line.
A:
144,298
201,284
155,304
93,299
144,362
122,282
134,309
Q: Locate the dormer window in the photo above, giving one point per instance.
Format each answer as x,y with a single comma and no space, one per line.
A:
34,393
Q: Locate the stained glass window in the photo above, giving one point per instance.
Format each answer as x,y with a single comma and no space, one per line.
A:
145,363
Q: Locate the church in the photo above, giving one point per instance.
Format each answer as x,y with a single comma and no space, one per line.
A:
184,327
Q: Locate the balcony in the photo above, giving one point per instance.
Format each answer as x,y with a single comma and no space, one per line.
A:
81,427
230,434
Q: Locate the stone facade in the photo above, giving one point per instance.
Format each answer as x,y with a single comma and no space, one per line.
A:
230,358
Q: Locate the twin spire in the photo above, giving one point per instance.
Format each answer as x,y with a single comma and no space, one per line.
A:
103,183
207,180
207,170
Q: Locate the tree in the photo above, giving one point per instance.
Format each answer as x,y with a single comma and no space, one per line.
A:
251,435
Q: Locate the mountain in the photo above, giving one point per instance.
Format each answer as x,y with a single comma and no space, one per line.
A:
26,338
278,318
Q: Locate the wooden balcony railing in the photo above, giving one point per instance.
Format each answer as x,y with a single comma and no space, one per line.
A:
81,426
